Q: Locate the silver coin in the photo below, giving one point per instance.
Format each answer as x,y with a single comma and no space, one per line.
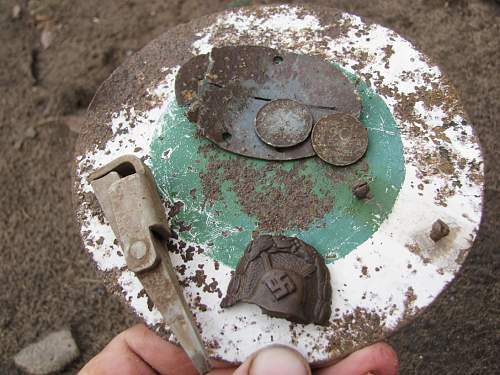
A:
283,123
339,139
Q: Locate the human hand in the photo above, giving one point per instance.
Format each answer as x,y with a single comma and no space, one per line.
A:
139,351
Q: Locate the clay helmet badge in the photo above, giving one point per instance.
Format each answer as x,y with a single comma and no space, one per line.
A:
286,277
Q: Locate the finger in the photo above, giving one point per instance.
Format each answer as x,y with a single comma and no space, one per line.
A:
116,359
275,360
379,359
225,371
162,356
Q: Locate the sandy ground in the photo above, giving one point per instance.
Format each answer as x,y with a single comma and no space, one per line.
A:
53,56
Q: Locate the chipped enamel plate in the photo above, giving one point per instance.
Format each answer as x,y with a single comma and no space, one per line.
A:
423,163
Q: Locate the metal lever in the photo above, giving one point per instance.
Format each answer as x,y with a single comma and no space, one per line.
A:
127,193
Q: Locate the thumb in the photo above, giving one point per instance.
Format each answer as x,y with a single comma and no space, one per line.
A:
274,360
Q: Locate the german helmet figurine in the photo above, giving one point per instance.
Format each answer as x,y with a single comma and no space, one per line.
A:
286,277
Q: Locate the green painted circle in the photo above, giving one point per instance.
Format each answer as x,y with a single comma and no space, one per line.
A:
186,167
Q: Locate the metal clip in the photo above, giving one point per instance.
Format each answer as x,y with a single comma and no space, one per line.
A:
127,193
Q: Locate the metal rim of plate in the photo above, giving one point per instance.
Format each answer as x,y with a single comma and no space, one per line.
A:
384,282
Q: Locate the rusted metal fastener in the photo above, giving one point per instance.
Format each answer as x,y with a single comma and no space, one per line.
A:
439,230
128,196
361,190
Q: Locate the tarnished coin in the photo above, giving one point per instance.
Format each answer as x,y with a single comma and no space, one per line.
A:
339,139
283,123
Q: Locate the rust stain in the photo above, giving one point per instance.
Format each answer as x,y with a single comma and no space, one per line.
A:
290,192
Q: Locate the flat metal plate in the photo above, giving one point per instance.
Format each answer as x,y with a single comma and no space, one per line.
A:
240,81
424,164
273,74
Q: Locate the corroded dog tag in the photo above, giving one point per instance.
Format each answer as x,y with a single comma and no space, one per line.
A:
227,89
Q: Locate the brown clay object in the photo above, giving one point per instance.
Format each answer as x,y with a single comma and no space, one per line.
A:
439,230
361,190
286,277
339,139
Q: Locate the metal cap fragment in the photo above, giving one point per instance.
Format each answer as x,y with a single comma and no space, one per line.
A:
283,123
339,139
361,190
439,230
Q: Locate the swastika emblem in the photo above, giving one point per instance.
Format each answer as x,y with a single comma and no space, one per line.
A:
279,283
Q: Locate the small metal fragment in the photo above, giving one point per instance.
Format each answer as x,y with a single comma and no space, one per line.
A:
188,78
361,190
283,123
339,139
439,230
286,277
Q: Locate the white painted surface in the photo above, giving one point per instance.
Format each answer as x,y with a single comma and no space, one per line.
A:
383,292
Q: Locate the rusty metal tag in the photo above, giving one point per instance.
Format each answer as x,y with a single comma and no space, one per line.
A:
240,81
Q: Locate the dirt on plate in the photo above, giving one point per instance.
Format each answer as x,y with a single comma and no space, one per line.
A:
54,55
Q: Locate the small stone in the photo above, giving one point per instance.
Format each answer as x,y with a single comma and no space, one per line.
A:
75,122
18,144
49,355
30,132
46,37
361,190
439,230
16,12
